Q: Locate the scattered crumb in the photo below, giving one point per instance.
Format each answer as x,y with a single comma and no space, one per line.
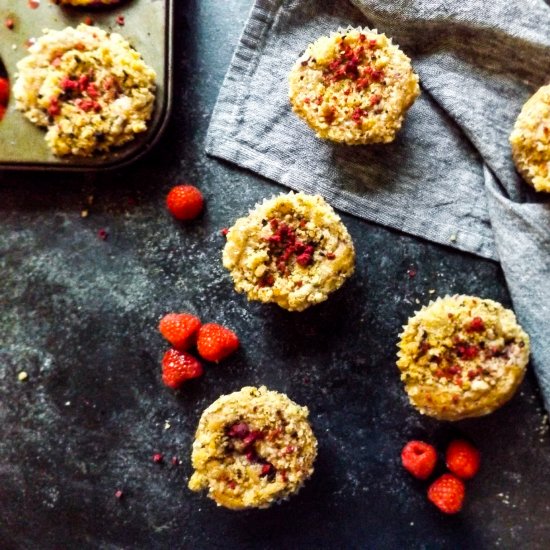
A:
67,403
84,213
102,234
9,23
431,291
176,461
158,458
22,376
119,494
416,301
453,238
120,20
167,425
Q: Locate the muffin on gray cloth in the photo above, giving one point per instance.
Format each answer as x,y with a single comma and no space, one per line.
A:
449,176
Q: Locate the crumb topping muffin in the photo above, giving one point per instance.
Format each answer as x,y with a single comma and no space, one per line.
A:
292,250
90,88
252,448
353,87
530,140
462,356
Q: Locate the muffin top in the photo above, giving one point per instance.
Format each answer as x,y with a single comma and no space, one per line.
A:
462,356
353,87
530,140
253,447
292,250
90,88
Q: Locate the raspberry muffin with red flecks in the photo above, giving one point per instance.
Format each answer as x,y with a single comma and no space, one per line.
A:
88,87
252,448
462,356
354,86
530,140
292,250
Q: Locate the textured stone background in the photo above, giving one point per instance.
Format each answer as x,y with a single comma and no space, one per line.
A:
79,315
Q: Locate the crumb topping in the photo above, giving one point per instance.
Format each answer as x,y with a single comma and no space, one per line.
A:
462,355
252,448
354,86
530,140
292,250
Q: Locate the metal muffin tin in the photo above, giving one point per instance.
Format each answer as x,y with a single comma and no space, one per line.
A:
147,26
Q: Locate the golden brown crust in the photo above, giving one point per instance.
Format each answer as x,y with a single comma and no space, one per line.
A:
292,250
530,140
89,88
252,448
462,356
353,87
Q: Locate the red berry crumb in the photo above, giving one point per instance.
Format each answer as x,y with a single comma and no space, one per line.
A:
120,20
119,494
447,493
224,231
185,202
88,20
180,329
9,23
462,459
102,234
419,459
158,458
179,366
216,342
476,325
175,461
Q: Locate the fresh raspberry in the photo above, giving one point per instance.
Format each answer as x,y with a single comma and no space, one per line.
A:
216,342
419,459
185,202
179,366
180,329
462,459
4,91
447,493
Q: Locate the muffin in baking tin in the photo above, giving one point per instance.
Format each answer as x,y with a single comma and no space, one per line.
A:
462,356
354,87
292,250
89,88
530,140
252,448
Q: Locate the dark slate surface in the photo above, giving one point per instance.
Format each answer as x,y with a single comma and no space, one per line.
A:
79,315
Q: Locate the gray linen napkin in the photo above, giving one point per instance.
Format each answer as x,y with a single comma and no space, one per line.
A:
449,176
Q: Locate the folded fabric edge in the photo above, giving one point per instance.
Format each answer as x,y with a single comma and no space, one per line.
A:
245,156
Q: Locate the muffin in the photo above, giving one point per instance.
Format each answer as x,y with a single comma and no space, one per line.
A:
292,250
530,140
252,448
89,88
462,356
353,87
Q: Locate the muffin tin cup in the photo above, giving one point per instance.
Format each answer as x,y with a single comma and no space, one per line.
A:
148,26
